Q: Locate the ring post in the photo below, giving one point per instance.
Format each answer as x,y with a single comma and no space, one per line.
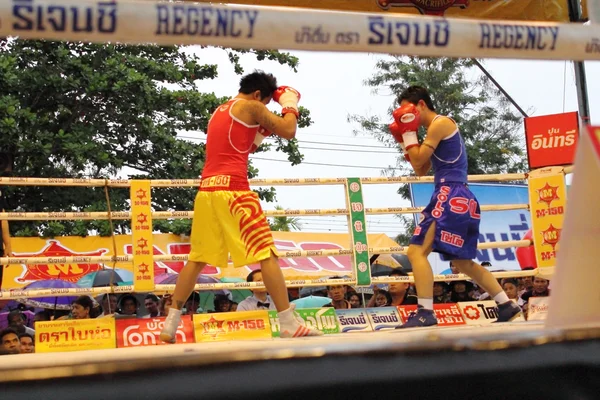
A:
356,218
574,300
141,236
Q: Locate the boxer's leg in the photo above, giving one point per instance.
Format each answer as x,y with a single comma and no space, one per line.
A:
507,309
422,272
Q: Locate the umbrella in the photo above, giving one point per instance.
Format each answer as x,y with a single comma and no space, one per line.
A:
52,302
311,302
309,290
104,277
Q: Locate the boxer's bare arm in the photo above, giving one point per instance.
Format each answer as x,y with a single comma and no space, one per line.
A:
283,127
420,156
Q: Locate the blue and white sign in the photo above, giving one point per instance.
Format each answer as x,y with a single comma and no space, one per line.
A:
384,318
354,320
495,226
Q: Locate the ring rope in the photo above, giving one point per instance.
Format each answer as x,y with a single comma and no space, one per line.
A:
100,215
123,183
283,254
176,23
160,288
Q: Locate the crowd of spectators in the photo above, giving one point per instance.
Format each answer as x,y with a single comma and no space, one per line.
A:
19,336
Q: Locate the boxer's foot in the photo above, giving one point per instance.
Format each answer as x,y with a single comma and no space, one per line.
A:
420,318
508,311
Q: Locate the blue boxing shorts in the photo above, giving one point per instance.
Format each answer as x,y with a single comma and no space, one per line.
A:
456,213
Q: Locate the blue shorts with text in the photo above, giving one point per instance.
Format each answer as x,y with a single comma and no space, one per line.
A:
456,213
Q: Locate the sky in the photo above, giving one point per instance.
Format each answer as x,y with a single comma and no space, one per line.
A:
332,88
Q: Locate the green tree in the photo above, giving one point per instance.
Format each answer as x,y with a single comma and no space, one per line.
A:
74,110
485,117
285,223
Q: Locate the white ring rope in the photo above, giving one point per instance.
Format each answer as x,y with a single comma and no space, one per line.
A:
65,216
124,183
251,27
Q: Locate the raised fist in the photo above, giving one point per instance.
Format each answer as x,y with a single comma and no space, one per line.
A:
397,134
288,97
408,119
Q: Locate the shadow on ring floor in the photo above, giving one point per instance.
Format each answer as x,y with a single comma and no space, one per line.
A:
513,360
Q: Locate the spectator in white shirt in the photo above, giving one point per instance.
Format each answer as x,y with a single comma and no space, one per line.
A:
260,299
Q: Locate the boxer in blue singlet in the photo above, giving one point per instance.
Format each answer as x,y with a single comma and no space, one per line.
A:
449,224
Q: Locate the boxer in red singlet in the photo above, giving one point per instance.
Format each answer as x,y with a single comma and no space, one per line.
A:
228,218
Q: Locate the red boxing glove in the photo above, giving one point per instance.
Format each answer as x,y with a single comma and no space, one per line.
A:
408,119
288,98
397,134
261,134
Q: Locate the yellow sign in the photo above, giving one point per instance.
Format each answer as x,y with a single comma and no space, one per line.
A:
547,199
141,227
531,10
232,326
75,335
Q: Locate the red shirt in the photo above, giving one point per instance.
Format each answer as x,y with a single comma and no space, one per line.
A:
227,149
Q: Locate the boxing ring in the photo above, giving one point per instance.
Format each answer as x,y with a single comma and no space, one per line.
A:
454,362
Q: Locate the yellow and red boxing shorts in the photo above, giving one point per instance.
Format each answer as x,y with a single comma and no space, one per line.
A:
228,221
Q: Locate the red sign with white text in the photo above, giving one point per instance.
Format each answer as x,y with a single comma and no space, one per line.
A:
551,139
145,331
446,314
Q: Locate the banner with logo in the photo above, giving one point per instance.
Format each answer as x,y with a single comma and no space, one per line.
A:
551,139
479,312
134,332
323,319
18,275
536,10
537,308
446,314
383,318
141,228
548,199
241,325
354,320
495,226
75,335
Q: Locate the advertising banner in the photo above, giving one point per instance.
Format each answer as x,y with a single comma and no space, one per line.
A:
495,225
354,320
446,314
479,312
383,318
20,274
241,325
141,227
537,308
323,319
548,200
133,332
551,139
75,335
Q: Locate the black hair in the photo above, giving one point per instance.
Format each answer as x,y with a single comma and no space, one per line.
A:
87,302
7,331
13,313
398,272
258,80
413,94
22,335
387,295
333,277
152,296
250,277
